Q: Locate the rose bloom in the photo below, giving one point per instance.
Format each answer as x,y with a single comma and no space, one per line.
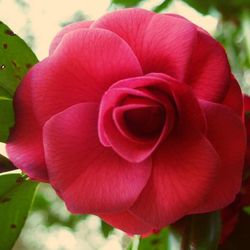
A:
135,117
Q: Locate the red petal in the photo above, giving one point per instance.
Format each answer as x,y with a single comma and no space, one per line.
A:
227,135
187,105
184,169
139,122
127,147
234,97
247,125
89,177
71,27
209,72
24,146
85,64
128,223
162,43
246,103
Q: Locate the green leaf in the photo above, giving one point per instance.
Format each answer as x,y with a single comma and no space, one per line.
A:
203,6
15,60
196,232
157,241
247,209
106,229
5,164
127,3
6,117
162,6
16,195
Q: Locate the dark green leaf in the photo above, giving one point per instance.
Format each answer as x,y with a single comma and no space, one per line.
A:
157,241
203,6
106,229
162,6
3,92
15,59
230,9
239,239
247,210
127,3
16,195
5,164
6,117
196,232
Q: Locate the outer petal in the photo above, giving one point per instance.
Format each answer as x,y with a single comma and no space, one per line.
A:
89,177
246,103
71,27
227,134
184,169
234,97
85,64
162,43
128,223
209,71
24,146
247,125
129,24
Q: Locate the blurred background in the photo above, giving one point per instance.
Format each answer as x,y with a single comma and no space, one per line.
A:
50,226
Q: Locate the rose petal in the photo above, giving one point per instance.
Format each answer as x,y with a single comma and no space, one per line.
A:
209,70
24,145
247,125
129,24
128,223
162,43
227,135
139,122
81,73
234,97
110,100
183,171
89,177
71,27
246,103
109,133
186,103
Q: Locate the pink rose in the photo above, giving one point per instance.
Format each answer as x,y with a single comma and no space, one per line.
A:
135,117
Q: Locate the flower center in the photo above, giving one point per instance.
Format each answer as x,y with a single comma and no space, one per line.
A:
145,122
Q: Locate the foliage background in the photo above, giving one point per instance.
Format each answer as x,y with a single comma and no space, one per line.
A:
50,226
